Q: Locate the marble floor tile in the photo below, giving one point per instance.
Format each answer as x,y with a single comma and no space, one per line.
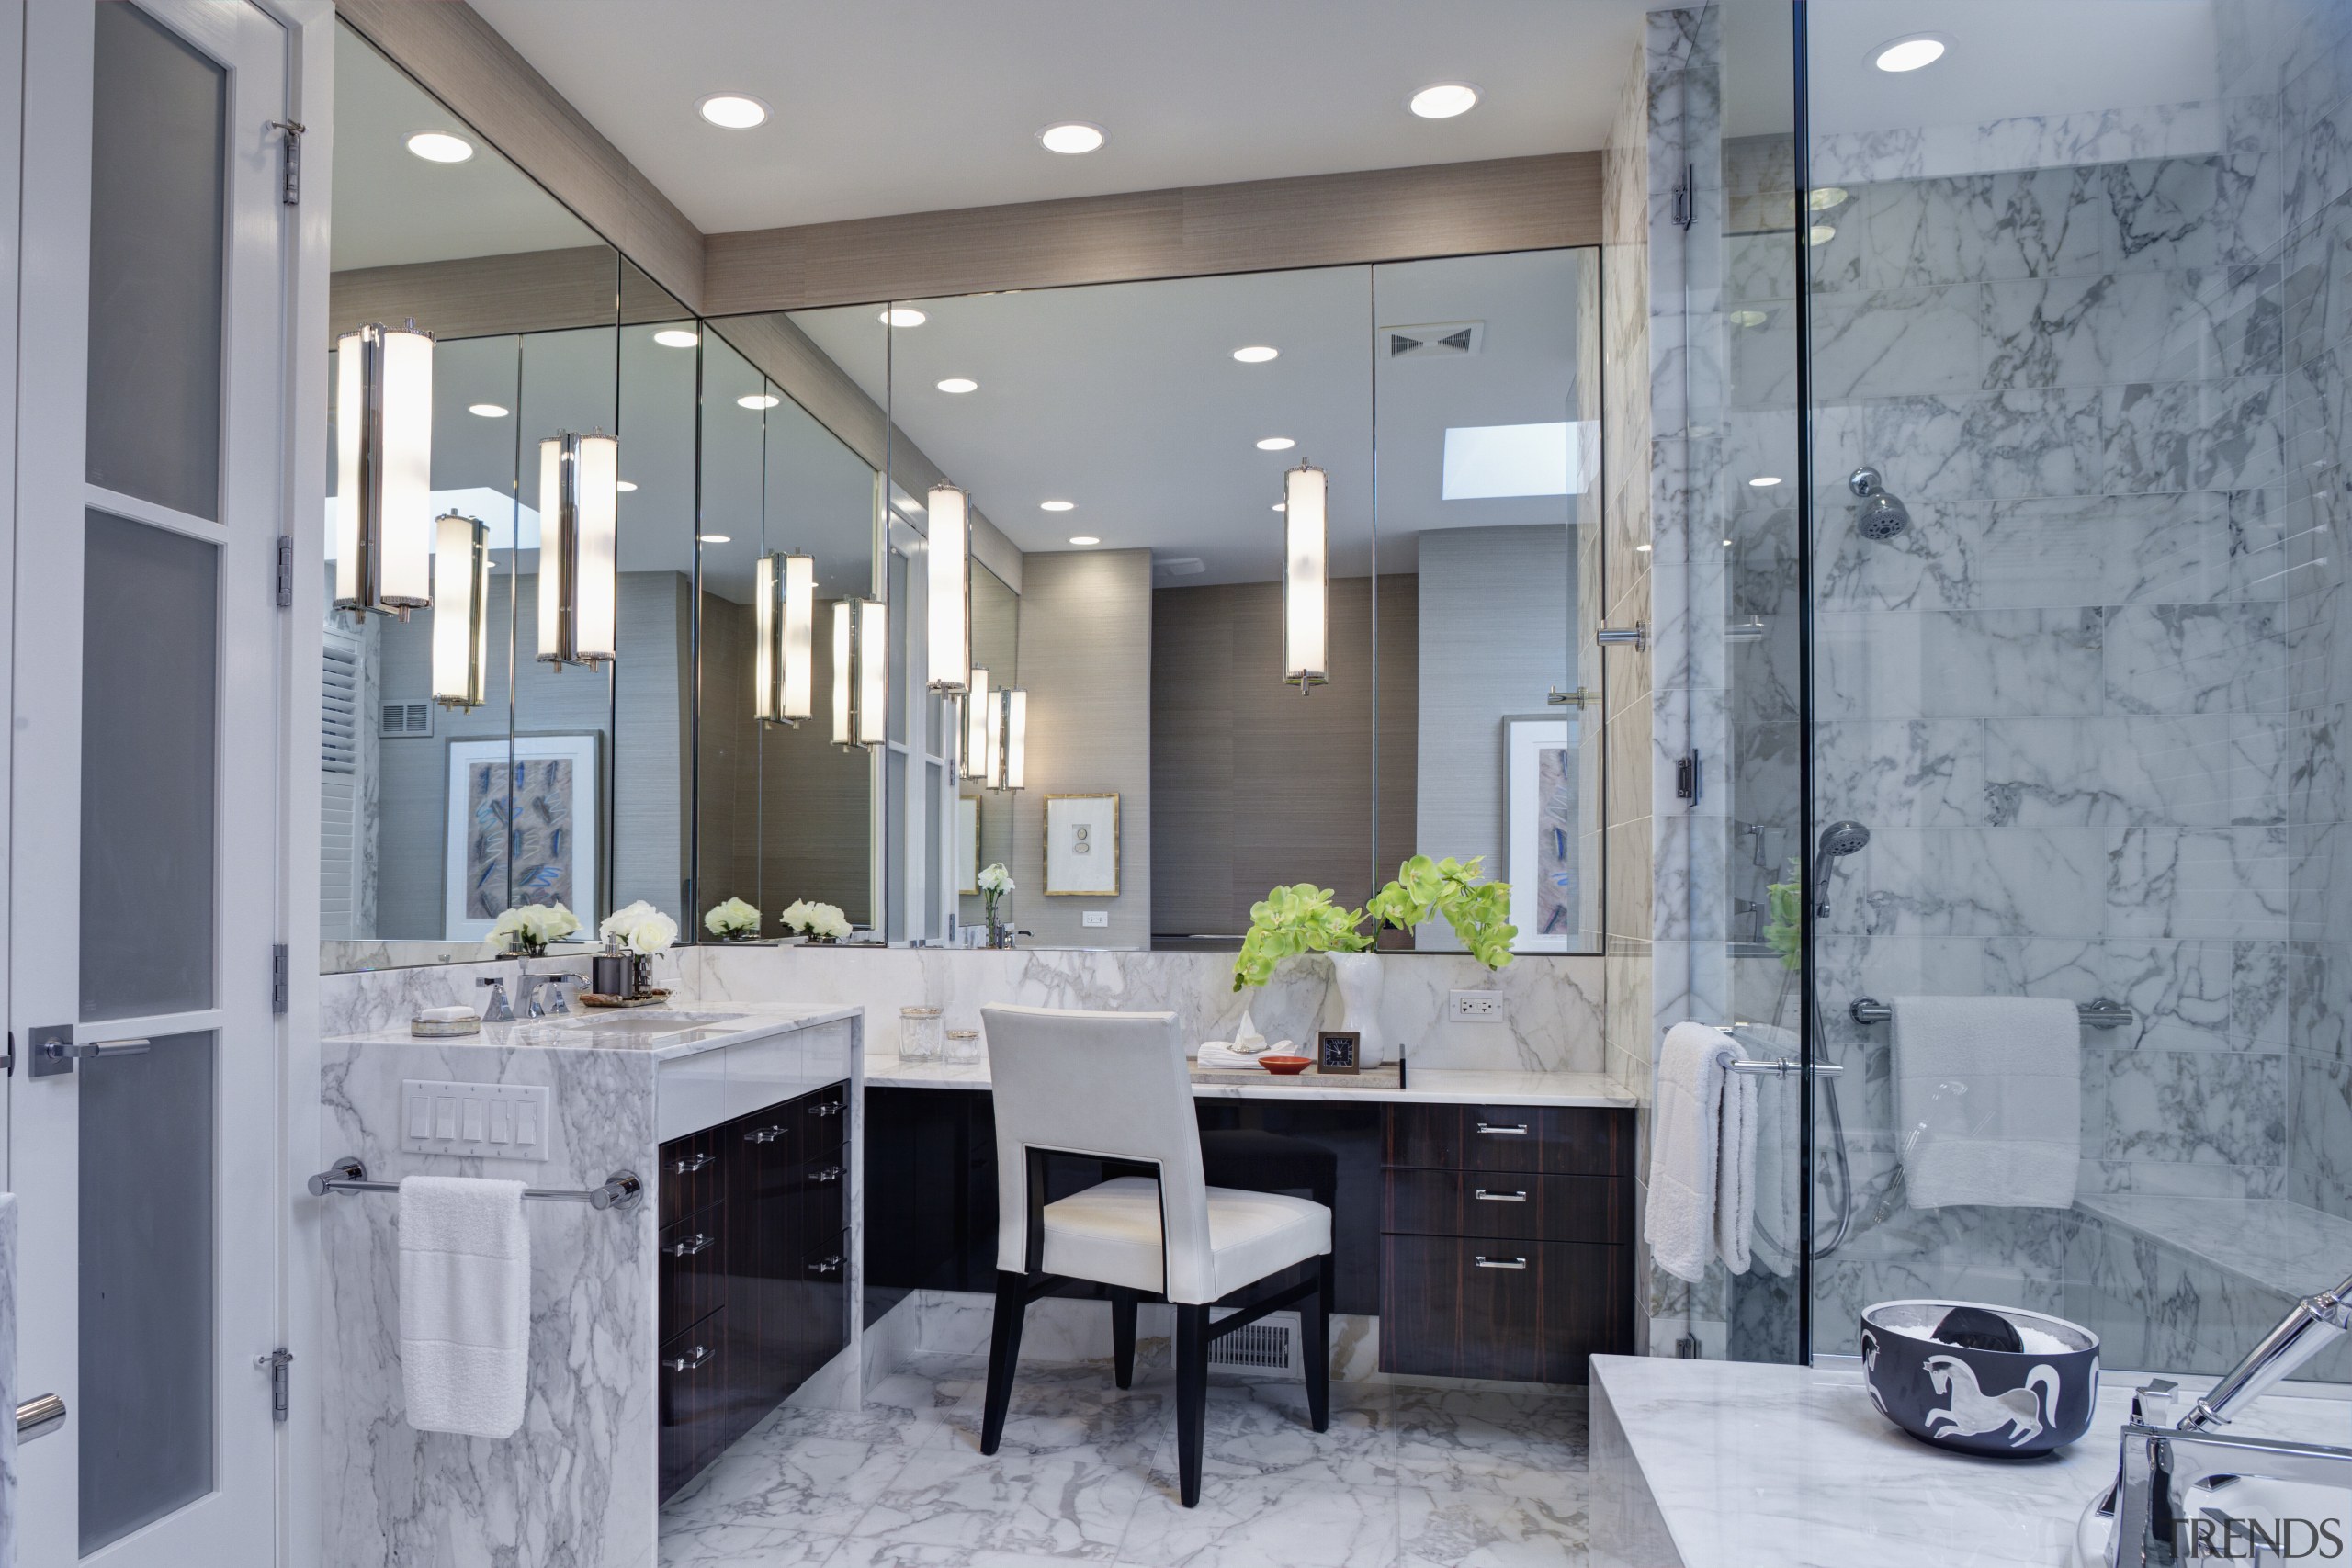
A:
1438,1528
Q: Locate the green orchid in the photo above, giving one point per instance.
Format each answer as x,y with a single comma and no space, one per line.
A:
1297,919
1303,918
1785,929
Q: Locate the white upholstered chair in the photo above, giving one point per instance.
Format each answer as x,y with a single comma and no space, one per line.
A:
1115,1087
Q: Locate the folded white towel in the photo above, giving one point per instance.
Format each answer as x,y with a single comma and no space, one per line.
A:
1686,1122
465,1304
1246,1041
1988,1096
444,1015
1221,1056
1736,1167
1775,1236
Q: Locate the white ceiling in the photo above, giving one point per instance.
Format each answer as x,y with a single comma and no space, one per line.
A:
910,106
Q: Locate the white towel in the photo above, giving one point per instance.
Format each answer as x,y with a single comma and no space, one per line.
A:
465,1304
1241,1052
1686,1124
1988,1094
1736,1167
1776,1240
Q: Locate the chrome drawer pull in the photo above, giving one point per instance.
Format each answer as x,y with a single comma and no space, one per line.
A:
1485,1197
830,1173
829,1266
688,1247
38,1416
1502,1262
1496,1130
690,1360
829,1108
765,1135
687,1164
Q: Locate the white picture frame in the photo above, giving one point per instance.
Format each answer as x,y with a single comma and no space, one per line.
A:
1079,829
967,845
576,861
1538,843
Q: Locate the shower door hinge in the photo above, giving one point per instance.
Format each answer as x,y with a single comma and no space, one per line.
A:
284,586
1685,776
290,190
1686,197
281,980
281,1381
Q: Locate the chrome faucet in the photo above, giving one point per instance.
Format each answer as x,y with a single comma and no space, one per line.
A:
499,1011
530,988
2161,1465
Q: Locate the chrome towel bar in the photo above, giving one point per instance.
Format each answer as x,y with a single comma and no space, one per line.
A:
2100,1014
622,1190
1779,1066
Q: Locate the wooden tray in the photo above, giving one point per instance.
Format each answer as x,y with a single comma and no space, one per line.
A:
650,1000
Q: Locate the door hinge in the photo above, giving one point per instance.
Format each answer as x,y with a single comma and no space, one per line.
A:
285,585
1685,197
281,979
1686,777
290,186
281,1381
8,1062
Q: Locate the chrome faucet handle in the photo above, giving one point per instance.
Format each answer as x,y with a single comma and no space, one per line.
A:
499,1011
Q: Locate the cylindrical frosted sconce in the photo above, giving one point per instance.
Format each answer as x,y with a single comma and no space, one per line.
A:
860,671
383,511
579,549
949,576
1306,577
460,612
784,610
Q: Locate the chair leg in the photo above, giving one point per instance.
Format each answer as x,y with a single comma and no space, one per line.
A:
1004,1353
1315,1325
1122,1337
1191,1396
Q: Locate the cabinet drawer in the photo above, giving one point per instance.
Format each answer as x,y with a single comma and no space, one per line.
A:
692,1399
1563,1140
1526,1310
824,1119
689,1178
1530,1206
691,1263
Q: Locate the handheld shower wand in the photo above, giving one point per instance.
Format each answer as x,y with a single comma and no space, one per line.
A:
1837,840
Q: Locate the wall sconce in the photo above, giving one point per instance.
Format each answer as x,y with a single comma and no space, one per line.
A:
579,549
1009,746
860,671
784,608
383,512
977,730
1305,568
949,554
461,611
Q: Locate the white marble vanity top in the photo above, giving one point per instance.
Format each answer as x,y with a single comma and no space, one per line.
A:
1448,1086
1757,1466
682,1029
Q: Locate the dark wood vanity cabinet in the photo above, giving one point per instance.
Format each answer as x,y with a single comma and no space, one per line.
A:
755,1277
1506,1241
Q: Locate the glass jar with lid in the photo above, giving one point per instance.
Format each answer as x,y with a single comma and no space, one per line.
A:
964,1047
920,1038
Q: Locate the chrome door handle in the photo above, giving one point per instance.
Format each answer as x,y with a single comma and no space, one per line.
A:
764,1135
1502,1262
830,1173
688,1247
826,1265
1485,1197
687,1164
691,1361
1635,637
53,1050
38,1416
1497,1130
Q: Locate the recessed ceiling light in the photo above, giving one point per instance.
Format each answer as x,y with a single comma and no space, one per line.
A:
716,538
487,411
1747,317
758,400
902,316
1282,506
440,147
1444,100
1256,354
1276,443
1764,481
954,384
675,337
1822,233
733,111
1085,540
1641,549
1827,197
1908,54
1071,136
623,484
1056,505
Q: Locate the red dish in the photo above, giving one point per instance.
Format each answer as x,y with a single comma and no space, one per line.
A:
1286,1065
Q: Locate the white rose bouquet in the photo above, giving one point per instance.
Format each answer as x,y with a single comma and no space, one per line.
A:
995,882
821,922
640,928
732,921
528,928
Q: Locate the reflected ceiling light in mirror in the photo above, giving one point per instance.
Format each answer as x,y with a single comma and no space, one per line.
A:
383,511
1276,443
486,411
860,671
1056,505
1444,100
579,559
716,538
1305,568
902,316
1072,137
623,485
784,606
1764,481
733,111
461,611
978,729
1821,233
440,147
758,400
1083,539
1256,354
1747,317
1282,506
1826,197
675,337
1909,52
956,386
948,575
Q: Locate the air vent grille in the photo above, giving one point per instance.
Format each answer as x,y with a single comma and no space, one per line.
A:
1269,1343
400,721
1433,340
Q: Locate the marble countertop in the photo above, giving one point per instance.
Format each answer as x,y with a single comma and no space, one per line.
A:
2281,1245
1454,1086
1757,1466
662,1033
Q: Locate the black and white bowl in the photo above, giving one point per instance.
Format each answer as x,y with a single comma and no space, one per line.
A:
2002,1404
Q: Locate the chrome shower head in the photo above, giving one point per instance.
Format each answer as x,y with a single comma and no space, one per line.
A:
1882,516
1837,840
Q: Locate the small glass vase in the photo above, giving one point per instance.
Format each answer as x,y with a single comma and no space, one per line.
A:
919,1037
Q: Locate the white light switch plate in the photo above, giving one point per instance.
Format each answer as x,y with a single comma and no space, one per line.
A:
1478,1006
498,1120
1094,918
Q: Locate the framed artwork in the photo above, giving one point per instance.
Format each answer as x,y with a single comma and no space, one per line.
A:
1338,1051
967,845
1082,846
1540,818
530,816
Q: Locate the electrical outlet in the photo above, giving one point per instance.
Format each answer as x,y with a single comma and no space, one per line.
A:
1477,1006
1099,919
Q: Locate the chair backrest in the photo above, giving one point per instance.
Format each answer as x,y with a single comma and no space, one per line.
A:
1112,1085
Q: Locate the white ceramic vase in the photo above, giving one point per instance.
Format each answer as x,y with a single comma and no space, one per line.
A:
1357,978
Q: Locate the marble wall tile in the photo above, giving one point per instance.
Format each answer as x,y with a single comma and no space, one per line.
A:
1972,445
2191,436
2198,881
2056,143
2320,1132
2213,769
1958,664
2185,1107
2196,658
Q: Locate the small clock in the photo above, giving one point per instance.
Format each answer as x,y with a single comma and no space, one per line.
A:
1338,1051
